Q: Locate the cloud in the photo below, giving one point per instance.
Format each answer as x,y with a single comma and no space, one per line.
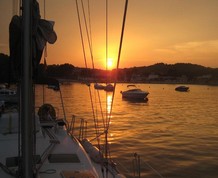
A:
192,47
197,46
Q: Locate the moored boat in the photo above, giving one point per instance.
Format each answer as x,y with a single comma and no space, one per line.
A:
98,86
182,88
134,93
109,88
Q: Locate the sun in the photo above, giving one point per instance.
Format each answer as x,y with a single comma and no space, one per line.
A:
110,63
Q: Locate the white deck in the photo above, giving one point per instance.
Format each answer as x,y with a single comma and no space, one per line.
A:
61,145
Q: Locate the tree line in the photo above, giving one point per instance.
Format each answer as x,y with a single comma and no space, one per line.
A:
70,72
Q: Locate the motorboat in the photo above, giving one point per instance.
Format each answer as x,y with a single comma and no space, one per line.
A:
134,93
182,88
109,87
54,87
98,86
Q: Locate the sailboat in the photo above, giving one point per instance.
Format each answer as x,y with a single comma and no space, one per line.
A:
38,144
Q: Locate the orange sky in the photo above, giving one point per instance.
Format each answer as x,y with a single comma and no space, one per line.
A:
168,31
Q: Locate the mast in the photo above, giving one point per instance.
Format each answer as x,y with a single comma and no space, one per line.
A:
26,92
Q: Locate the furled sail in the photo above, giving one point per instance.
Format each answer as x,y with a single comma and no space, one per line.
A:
42,32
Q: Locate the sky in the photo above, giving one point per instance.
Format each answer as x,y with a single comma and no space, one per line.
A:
168,31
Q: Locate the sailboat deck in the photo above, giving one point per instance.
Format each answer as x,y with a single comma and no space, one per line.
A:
60,154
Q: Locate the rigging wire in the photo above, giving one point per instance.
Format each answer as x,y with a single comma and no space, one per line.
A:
90,29
81,34
106,132
119,54
88,38
108,114
84,54
91,53
92,58
118,59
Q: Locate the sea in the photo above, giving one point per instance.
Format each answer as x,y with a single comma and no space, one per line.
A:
172,135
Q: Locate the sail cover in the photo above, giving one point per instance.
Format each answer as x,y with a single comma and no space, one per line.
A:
42,32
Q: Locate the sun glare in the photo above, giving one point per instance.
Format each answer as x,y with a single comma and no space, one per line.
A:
109,63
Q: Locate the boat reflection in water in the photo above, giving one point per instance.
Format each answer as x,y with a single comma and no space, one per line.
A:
133,100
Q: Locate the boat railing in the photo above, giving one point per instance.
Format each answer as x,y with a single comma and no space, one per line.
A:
82,127
79,129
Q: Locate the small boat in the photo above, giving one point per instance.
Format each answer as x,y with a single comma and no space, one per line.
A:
109,88
134,93
182,88
99,86
54,87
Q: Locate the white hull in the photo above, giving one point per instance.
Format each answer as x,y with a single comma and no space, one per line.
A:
134,93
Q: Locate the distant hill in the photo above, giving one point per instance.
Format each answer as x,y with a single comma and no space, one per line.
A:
176,70
158,73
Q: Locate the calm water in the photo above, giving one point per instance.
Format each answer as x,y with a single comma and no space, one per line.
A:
174,132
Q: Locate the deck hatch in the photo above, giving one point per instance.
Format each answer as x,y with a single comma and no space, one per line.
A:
63,158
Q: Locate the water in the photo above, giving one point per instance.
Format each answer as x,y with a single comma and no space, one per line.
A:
174,132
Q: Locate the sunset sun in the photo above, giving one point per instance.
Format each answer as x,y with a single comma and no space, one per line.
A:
110,63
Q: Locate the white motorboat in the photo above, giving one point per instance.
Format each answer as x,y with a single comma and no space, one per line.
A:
134,93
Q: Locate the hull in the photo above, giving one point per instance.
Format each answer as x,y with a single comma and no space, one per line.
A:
134,95
182,88
99,87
